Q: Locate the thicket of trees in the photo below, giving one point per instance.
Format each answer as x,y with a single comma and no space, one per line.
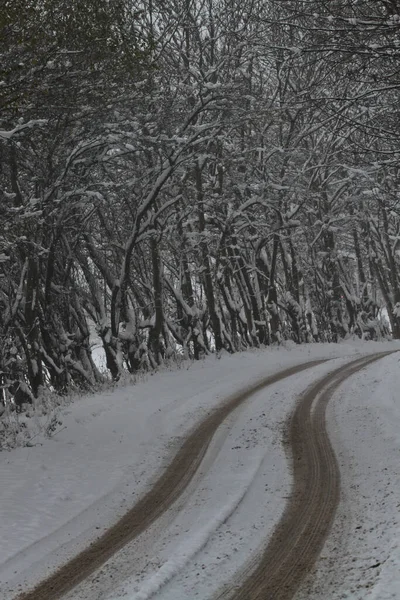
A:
185,176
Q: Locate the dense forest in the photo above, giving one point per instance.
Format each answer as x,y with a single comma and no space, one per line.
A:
181,177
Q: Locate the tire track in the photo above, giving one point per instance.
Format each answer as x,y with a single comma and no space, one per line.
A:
298,538
165,491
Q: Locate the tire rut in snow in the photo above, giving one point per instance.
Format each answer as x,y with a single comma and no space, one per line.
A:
166,490
301,532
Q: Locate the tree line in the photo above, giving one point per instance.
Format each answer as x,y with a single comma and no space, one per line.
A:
191,176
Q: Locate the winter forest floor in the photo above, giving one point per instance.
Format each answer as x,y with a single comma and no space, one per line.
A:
58,495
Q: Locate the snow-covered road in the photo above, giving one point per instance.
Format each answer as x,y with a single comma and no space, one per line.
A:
57,497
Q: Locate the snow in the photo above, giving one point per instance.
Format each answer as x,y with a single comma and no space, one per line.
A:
206,525
7,135
57,496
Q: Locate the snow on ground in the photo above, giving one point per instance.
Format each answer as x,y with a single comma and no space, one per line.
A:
57,496
361,560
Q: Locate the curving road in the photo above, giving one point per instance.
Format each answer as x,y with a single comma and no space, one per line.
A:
166,490
277,571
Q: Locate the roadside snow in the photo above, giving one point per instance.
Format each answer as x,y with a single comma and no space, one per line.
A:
58,496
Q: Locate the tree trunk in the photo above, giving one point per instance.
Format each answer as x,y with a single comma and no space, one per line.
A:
207,276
